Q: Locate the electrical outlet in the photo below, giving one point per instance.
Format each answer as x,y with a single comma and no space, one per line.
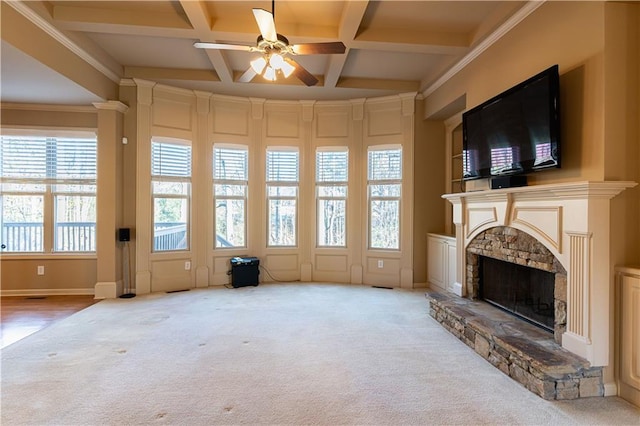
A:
187,266
40,269
380,263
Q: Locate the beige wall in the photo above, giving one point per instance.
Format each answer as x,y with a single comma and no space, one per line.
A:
429,178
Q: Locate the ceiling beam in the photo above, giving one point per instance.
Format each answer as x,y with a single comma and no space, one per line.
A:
291,81
118,17
52,48
201,22
350,22
156,73
378,84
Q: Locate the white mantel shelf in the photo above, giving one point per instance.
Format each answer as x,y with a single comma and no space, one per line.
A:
573,221
606,189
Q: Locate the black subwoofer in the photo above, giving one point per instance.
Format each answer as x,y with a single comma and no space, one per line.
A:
244,271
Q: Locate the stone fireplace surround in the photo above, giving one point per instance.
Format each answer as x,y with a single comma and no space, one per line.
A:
514,246
570,220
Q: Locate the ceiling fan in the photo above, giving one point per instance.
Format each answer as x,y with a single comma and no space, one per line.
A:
277,51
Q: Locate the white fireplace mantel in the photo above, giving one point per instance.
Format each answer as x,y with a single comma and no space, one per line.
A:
572,221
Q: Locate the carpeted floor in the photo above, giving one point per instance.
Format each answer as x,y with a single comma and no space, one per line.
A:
275,354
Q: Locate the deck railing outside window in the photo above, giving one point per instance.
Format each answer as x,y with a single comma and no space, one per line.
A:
25,237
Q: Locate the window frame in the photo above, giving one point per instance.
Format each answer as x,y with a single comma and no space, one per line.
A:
284,185
52,186
392,182
235,182
340,183
175,179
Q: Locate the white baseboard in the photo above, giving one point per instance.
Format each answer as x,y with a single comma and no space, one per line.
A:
610,389
48,292
106,290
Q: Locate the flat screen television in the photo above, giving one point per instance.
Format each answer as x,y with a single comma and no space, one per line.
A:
515,132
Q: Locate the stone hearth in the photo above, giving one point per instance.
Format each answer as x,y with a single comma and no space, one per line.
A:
520,350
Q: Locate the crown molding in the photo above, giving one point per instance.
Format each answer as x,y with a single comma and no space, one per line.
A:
503,29
111,106
47,107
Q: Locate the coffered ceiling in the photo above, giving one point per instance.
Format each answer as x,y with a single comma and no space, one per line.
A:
391,46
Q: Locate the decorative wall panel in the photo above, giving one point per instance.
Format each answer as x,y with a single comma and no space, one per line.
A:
331,263
283,124
384,122
230,120
171,114
332,125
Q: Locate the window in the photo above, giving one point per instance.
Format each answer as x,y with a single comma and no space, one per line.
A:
282,196
171,189
230,180
384,182
49,179
332,175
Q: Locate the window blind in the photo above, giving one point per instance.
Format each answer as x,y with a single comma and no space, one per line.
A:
170,160
230,164
332,166
282,166
385,164
42,159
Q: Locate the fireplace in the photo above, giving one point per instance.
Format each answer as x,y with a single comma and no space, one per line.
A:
522,275
561,228
522,291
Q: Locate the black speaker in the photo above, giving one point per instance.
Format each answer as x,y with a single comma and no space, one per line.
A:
508,181
244,271
123,234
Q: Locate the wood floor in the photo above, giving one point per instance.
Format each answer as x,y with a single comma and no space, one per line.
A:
21,316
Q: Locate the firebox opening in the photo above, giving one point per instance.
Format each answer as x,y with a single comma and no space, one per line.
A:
520,290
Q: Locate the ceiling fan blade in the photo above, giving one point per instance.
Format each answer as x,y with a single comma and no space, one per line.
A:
222,46
266,24
247,76
303,75
319,48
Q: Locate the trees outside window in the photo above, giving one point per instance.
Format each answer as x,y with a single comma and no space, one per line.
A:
48,179
384,184
171,193
283,165
332,175
230,184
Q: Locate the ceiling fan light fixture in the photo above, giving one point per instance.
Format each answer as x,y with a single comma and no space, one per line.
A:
258,64
287,69
270,74
276,61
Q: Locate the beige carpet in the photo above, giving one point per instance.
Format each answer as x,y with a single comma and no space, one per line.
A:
274,354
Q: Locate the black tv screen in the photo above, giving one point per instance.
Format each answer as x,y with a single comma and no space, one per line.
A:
515,132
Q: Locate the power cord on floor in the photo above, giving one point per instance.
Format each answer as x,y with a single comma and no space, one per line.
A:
273,278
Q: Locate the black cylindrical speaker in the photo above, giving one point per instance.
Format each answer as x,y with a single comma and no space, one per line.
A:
123,234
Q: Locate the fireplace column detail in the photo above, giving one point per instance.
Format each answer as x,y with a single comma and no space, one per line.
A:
579,288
